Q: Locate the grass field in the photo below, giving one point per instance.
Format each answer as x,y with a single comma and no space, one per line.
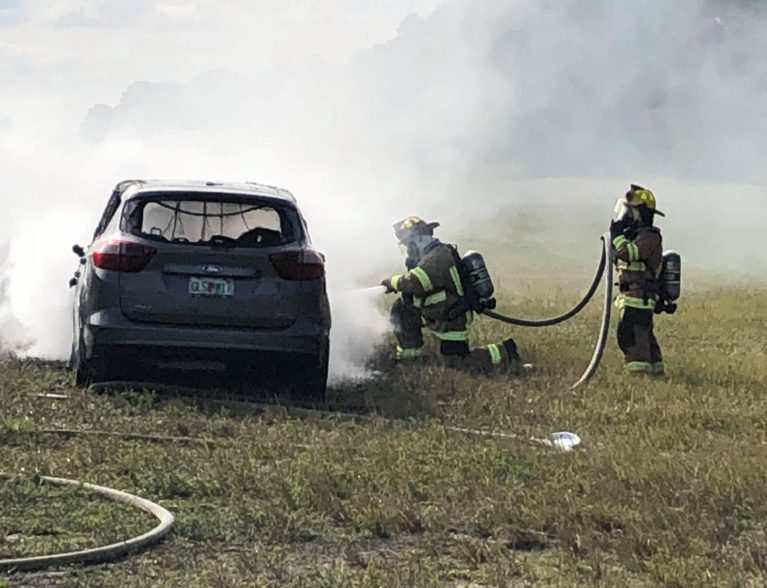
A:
669,488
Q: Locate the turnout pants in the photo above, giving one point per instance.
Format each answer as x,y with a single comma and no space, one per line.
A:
408,324
637,340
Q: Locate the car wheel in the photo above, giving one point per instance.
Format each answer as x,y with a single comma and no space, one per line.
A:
311,376
87,371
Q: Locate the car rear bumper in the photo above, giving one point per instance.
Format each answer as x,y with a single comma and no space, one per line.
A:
111,329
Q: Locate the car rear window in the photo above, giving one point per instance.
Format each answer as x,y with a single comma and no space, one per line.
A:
250,223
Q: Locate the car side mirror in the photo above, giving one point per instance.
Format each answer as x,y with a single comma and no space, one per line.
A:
79,251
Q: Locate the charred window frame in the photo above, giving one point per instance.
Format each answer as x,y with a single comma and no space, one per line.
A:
291,224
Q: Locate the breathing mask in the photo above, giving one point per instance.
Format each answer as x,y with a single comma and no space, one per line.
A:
625,212
414,249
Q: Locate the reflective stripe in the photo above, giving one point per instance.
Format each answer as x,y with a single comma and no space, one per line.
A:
454,336
638,366
395,281
423,278
633,251
456,280
658,368
495,354
634,266
619,241
417,302
411,353
435,298
623,301
469,318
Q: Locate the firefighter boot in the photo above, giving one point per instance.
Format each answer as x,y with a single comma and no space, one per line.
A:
658,368
515,361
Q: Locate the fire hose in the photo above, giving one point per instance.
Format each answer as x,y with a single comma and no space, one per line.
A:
606,253
604,329
604,269
96,554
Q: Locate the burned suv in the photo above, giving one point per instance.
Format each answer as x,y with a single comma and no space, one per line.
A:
185,272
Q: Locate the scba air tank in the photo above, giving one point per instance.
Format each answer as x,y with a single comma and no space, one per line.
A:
671,274
479,279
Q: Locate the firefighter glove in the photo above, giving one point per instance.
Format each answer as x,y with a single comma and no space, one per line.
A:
617,227
388,285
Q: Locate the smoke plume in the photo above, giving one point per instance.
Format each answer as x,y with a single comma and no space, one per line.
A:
524,114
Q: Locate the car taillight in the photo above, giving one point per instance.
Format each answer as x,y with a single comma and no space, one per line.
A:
303,264
123,256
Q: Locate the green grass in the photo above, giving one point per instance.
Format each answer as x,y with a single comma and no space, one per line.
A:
670,487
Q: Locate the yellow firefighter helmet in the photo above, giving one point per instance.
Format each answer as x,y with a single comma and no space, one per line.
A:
638,196
411,227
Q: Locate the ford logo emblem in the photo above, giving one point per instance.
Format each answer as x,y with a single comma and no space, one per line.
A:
211,269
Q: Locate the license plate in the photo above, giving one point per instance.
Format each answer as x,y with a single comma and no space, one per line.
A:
215,287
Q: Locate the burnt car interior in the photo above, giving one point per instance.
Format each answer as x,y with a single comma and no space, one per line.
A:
219,222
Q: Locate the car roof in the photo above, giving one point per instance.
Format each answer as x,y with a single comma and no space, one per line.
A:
131,188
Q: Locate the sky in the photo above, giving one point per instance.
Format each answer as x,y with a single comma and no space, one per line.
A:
89,51
456,110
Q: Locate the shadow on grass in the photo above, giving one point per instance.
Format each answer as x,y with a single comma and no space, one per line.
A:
391,390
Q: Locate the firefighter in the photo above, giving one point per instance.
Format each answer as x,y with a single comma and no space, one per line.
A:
432,294
638,249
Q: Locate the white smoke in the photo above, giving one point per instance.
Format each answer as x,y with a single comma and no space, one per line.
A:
470,114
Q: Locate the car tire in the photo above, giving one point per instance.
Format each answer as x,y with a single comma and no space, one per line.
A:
311,376
87,371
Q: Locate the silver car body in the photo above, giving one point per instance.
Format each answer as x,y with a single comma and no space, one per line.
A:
146,289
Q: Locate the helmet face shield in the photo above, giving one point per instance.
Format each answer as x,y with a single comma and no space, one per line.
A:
619,210
624,210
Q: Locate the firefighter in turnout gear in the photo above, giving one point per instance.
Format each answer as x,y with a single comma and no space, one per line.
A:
638,249
432,295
